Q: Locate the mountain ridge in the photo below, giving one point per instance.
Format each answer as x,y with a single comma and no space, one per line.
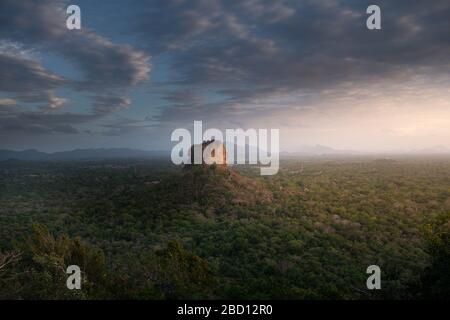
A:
79,154
124,153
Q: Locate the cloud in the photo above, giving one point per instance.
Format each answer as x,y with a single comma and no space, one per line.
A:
106,104
14,120
29,81
242,50
292,63
32,21
7,102
126,126
107,68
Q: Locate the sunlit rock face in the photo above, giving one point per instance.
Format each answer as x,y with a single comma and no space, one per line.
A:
213,152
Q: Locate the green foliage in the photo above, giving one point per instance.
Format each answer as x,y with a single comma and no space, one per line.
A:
307,233
40,273
183,274
435,281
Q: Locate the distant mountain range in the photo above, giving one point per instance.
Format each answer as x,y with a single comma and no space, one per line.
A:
80,154
126,153
433,150
319,150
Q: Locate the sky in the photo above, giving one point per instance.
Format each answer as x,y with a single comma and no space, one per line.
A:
137,70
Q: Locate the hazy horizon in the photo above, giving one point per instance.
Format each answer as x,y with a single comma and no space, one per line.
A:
306,149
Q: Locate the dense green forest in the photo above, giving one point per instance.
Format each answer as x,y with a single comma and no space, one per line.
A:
144,229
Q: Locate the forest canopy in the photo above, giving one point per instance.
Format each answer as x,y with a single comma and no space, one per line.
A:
150,230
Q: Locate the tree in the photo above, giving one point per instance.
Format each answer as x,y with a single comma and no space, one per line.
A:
183,274
435,281
40,273
9,258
